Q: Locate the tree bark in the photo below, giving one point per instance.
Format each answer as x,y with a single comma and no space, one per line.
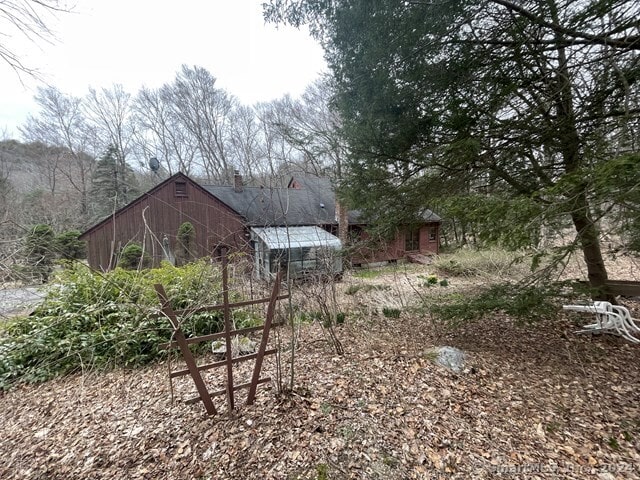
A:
573,159
590,244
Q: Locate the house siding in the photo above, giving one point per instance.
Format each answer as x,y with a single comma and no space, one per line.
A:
395,248
163,212
428,246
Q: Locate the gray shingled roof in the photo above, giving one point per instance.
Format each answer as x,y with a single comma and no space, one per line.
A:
313,204
278,206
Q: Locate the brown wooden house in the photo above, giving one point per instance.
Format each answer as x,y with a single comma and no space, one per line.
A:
224,216
158,214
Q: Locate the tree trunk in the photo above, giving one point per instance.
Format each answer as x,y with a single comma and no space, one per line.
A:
590,244
573,160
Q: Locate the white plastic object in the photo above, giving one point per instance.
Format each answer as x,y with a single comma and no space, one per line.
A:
609,319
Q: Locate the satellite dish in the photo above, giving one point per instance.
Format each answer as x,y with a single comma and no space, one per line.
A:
154,164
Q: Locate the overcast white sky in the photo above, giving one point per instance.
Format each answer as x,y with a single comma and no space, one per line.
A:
144,42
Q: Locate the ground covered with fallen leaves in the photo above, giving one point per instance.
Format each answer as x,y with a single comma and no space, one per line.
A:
536,401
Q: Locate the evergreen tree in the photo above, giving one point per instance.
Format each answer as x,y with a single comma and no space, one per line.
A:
133,257
39,252
185,245
114,183
69,247
510,107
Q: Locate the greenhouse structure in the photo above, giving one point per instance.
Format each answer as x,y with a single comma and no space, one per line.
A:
305,251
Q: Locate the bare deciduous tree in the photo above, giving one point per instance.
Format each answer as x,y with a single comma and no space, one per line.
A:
244,141
205,111
62,123
28,19
109,112
160,133
277,154
309,128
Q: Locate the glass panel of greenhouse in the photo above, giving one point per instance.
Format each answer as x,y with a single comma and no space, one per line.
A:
304,250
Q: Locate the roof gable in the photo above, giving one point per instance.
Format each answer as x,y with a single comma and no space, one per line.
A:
308,200
150,193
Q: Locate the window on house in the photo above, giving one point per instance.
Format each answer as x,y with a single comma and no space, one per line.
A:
412,240
181,189
433,234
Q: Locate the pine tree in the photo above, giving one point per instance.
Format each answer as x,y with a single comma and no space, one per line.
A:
39,252
185,245
511,106
114,183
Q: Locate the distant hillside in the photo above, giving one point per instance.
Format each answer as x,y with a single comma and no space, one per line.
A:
43,184
22,164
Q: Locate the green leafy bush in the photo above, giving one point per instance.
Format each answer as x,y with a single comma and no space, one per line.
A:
69,247
91,320
133,257
429,280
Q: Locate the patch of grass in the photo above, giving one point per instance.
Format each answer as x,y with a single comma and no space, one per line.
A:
322,471
528,303
392,268
431,354
468,262
390,461
391,312
302,317
367,273
433,280
347,433
365,288
352,289
631,429
552,427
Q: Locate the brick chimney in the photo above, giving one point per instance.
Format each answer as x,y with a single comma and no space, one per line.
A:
237,181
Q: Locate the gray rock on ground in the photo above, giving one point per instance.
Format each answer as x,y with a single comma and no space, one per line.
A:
239,346
451,358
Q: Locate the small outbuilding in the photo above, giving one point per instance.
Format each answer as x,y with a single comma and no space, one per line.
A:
307,250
